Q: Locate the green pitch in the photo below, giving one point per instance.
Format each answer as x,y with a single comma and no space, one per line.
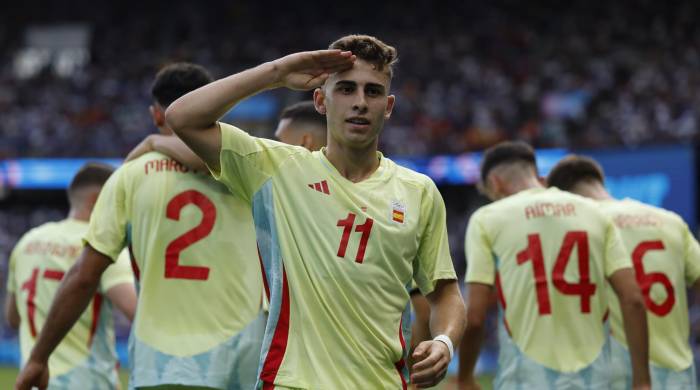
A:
9,374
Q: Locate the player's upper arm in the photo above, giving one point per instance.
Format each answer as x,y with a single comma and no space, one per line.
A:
205,142
692,257
434,261
117,283
616,254
108,222
11,312
481,267
479,300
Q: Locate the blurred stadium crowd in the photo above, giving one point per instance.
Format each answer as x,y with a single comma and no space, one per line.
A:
571,74
574,74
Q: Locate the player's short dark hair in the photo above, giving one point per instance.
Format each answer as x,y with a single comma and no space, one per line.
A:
370,49
574,169
304,112
90,174
506,152
178,79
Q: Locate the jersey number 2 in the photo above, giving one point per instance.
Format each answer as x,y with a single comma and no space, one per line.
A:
173,269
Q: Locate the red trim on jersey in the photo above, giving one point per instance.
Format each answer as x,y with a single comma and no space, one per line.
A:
268,386
401,363
53,274
324,184
502,301
262,268
134,265
96,305
278,346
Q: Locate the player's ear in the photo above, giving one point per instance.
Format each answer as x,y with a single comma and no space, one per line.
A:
391,99
320,101
158,115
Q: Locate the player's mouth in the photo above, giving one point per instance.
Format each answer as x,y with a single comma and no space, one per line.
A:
358,122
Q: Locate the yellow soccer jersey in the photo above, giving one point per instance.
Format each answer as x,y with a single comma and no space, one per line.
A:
549,253
193,248
666,258
37,265
339,258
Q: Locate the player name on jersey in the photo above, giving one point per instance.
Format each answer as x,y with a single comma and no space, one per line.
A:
39,247
549,209
164,165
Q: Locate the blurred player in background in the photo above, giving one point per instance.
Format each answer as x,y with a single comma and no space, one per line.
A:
300,124
86,358
198,322
666,260
342,231
549,254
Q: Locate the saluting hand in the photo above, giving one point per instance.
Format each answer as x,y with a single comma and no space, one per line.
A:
432,358
310,69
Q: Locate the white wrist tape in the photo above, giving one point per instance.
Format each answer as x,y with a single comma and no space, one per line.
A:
447,342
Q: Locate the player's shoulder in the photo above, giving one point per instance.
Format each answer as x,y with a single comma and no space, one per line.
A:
654,215
232,135
43,231
409,177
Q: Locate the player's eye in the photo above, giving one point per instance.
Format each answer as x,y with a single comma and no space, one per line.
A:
373,92
346,89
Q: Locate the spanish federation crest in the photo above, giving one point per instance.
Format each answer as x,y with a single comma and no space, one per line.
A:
398,211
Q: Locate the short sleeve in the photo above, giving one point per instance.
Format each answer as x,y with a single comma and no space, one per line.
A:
247,162
433,261
617,256
481,267
107,230
692,257
118,273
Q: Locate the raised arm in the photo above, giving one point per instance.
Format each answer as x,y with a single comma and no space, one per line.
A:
73,296
193,117
446,319
634,317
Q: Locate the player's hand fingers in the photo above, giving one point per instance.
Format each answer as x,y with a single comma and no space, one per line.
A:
421,351
330,56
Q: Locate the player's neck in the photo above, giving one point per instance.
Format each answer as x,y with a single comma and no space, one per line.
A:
79,213
355,165
523,184
593,191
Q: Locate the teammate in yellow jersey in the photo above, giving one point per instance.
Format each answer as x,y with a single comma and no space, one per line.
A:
342,231
300,124
86,358
198,322
666,259
549,254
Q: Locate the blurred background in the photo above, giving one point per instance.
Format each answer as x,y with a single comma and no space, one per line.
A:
618,81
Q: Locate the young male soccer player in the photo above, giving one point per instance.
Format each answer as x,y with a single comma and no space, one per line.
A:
193,248
666,259
549,254
86,358
341,231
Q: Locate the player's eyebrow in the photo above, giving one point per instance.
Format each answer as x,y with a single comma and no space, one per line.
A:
351,83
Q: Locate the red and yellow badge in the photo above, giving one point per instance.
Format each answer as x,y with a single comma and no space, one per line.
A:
398,211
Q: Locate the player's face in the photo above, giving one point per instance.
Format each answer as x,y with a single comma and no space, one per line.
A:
356,103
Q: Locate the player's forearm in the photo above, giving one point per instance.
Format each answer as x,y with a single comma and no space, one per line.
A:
635,323
174,147
469,350
201,108
447,313
72,297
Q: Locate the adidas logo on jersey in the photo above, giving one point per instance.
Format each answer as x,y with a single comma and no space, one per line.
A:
321,186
